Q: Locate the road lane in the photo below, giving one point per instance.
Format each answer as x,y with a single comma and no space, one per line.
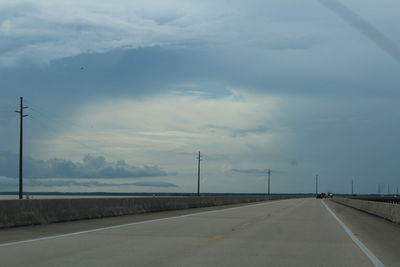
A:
38,231
296,232
371,256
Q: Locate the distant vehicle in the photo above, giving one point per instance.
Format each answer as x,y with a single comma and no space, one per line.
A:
322,195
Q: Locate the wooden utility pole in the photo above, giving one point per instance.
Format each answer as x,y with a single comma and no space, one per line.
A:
269,181
198,175
352,187
21,143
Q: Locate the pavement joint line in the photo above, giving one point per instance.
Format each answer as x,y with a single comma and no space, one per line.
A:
211,239
371,256
126,225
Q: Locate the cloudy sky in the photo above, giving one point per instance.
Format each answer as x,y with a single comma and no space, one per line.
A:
123,94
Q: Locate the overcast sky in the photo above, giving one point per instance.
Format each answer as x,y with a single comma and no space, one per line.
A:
123,94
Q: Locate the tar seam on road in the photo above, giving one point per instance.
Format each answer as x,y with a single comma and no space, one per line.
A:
211,239
364,249
124,225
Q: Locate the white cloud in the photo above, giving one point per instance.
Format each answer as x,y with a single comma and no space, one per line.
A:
179,122
168,129
37,32
40,31
5,27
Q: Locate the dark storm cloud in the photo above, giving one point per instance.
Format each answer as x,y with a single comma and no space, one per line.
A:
144,72
90,167
126,73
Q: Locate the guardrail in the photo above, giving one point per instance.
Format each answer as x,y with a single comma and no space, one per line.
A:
40,211
386,199
384,210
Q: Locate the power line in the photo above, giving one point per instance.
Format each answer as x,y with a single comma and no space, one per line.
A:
62,122
71,139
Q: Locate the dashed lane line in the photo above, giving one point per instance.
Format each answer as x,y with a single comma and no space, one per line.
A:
246,224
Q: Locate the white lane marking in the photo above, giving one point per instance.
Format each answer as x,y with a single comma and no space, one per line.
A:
364,249
126,225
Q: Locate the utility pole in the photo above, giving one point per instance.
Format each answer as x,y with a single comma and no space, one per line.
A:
269,181
388,189
352,187
21,143
316,184
198,175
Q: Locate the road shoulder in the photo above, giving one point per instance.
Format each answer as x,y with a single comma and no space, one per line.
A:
379,235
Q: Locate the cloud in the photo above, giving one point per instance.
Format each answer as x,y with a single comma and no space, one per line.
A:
155,184
295,43
250,171
254,171
37,32
307,76
11,184
238,132
8,164
90,167
293,162
95,184
173,123
40,31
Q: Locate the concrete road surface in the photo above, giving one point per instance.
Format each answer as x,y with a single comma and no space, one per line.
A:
295,232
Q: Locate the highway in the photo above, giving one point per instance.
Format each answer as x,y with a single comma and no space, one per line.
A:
293,232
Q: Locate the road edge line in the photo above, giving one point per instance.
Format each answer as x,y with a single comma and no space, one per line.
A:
371,256
127,225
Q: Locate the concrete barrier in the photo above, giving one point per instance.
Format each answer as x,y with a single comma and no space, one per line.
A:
41,211
388,211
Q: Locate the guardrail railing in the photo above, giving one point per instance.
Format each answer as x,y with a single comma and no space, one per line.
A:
386,199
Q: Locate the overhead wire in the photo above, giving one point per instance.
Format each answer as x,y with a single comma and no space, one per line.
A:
39,115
